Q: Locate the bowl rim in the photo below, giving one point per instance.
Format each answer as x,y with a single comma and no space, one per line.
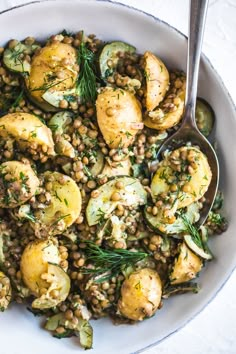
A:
232,103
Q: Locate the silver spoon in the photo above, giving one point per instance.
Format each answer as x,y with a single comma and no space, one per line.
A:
188,131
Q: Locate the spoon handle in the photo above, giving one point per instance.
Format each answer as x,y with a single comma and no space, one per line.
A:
197,18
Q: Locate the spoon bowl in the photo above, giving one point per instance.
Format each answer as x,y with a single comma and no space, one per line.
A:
188,131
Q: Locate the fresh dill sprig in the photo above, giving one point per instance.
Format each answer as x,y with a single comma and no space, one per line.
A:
87,78
108,263
193,231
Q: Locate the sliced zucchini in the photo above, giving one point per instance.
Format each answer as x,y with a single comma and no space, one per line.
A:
5,292
109,56
54,97
58,124
197,185
13,58
187,266
82,329
180,289
97,168
101,207
65,205
196,249
157,80
18,183
157,222
170,110
2,256
205,116
60,284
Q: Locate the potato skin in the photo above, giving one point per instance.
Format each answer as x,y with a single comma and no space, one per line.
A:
186,266
140,294
25,127
34,262
157,80
119,117
21,186
53,58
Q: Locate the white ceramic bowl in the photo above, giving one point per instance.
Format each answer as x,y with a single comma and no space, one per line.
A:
19,331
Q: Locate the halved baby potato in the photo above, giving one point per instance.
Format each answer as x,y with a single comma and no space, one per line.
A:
58,290
18,183
187,266
65,205
119,117
26,128
124,190
53,67
140,294
35,261
5,291
157,80
195,188
171,109
43,275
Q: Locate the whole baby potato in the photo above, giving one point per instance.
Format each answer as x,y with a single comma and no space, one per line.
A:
34,262
140,294
119,117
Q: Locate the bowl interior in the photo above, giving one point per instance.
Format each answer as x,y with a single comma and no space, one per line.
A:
117,22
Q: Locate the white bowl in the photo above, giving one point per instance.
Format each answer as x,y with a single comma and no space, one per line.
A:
20,331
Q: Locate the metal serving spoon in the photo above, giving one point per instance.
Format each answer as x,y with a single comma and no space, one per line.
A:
188,131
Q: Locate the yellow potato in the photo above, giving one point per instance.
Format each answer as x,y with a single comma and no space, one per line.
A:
53,67
26,128
140,294
197,185
18,183
186,266
34,262
171,109
65,203
157,80
5,291
119,117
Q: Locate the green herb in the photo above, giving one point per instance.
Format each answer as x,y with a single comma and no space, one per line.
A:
193,231
216,218
108,263
66,202
30,217
101,216
60,218
87,79
57,196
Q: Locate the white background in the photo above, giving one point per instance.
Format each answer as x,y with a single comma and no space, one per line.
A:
213,331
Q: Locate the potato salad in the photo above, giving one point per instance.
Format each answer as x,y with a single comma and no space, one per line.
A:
92,224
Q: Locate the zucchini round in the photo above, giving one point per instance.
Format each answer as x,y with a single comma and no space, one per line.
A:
101,207
205,116
110,54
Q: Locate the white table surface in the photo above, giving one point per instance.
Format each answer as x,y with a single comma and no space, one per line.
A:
213,331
